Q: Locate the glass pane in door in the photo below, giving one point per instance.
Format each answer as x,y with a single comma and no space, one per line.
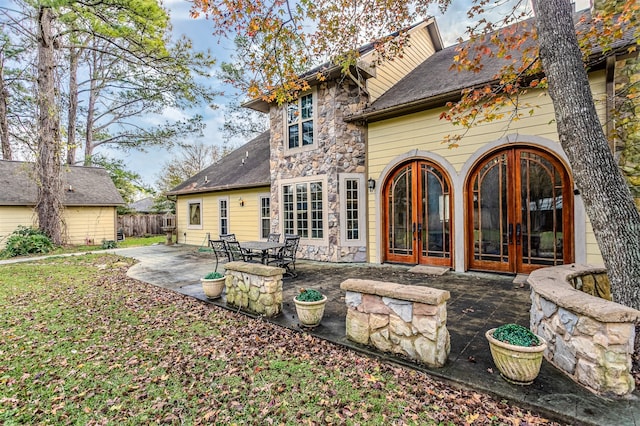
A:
490,231
400,210
435,220
541,211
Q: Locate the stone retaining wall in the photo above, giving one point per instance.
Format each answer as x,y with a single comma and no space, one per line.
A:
400,319
254,287
589,338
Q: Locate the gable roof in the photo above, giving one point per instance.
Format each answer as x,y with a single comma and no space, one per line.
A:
144,205
331,71
432,83
246,167
90,186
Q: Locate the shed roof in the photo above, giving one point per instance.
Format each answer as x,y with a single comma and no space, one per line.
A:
246,167
83,186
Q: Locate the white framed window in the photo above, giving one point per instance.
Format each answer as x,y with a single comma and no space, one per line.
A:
223,215
300,123
264,201
304,208
194,214
352,208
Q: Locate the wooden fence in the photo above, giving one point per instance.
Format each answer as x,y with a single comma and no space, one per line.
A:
138,225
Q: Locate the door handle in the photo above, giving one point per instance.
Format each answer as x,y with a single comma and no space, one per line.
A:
518,233
414,231
419,231
511,233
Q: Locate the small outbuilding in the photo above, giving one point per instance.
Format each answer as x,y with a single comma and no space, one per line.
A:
90,199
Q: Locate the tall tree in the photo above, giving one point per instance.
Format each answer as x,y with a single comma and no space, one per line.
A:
49,202
148,73
7,153
13,96
278,46
607,198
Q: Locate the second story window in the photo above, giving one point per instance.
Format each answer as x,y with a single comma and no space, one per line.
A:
300,122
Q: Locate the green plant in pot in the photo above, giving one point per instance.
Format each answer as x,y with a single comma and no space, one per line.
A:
310,307
517,352
213,284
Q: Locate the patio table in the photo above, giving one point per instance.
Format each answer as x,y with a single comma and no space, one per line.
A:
262,246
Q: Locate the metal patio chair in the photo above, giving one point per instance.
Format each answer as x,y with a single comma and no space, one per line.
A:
219,250
286,256
273,238
236,252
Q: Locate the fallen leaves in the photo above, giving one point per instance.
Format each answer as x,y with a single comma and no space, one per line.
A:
113,350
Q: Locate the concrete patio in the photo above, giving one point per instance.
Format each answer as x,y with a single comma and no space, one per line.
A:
478,302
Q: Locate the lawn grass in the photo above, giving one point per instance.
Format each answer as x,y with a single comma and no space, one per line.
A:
128,242
81,343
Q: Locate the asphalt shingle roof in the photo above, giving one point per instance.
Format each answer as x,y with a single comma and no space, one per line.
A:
433,83
90,186
231,172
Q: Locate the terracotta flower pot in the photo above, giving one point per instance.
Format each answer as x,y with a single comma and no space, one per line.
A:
213,287
310,313
517,364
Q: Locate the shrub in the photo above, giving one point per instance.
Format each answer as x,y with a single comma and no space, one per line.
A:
515,334
26,240
109,244
213,276
309,295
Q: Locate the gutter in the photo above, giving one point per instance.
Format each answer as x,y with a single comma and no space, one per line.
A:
215,189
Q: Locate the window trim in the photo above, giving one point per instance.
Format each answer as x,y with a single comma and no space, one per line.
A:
189,203
219,200
342,193
262,196
314,119
325,208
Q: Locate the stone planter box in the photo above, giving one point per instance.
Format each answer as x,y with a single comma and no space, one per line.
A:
589,338
254,287
400,319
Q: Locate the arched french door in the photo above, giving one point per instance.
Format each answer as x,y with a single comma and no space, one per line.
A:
417,217
519,212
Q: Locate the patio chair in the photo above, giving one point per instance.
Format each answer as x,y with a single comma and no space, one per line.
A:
238,253
286,256
228,237
219,250
273,238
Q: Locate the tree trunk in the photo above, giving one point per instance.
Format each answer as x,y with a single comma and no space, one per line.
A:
49,204
73,106
4,122
607,199
91,107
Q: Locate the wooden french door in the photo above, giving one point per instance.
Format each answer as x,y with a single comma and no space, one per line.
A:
519,212
417,220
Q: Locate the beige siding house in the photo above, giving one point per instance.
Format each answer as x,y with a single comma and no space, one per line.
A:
230,196
358,169
503,200
90,202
